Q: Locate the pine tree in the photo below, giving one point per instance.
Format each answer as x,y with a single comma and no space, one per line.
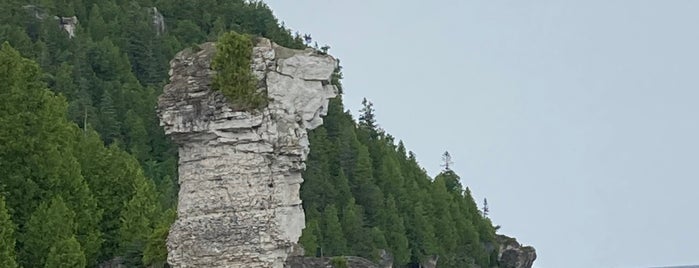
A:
155,252
66,254
309,238
334,242
109,125
97,28
378,240
367,119
50,224
396,240
357,236
340,185
368,195
446,158
443,222
137,221
7,238
138,137
421,238
317,188
110,173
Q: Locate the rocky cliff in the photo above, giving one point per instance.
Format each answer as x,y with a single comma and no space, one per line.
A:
513,255
240,172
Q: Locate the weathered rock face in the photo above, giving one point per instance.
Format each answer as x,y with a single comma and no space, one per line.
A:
514,255
310,262
158,20
240,172
68,24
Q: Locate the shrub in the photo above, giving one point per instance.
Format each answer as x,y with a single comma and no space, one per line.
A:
234,78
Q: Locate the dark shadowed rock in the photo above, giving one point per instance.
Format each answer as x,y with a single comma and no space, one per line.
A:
514,255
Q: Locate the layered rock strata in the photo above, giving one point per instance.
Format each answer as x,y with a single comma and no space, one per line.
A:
240,171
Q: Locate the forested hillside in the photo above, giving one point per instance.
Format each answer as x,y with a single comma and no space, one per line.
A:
87,175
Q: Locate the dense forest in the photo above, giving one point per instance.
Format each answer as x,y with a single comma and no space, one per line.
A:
87,175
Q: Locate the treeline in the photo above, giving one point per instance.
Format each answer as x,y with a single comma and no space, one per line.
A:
87,175
363,193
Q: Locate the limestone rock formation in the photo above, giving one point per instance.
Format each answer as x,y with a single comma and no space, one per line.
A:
158,20
326,262
240,172
514,255
68,24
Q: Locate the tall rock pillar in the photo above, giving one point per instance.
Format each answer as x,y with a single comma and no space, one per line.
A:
240,171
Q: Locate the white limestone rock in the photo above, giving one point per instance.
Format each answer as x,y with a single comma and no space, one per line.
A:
240,172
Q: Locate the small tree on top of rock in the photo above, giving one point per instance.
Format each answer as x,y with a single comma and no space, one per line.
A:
234,78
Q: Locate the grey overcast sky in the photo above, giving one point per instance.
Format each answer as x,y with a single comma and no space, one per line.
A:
576,119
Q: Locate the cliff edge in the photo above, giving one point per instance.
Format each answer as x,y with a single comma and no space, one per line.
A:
240,171
514,255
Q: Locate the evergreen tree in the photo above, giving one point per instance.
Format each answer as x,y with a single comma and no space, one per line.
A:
358,240
155,252
109,125
317,185
110,173
392,222
368,195
421,235
66,254
138,137
97,28
50,224
7,238
310,237
137,221
340,185
367,119
334,242
443,222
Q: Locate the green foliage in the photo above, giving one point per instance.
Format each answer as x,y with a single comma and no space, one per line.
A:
358,239
339,262
234,77
66,254
50,224
39,139
402,210
137,221
310,237
334,242
155,252
7,238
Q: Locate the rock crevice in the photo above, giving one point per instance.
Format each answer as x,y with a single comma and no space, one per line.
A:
240,171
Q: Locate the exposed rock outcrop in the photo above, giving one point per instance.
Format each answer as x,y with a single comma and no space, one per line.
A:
68,24
327,262
514,255
158,20
240,172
